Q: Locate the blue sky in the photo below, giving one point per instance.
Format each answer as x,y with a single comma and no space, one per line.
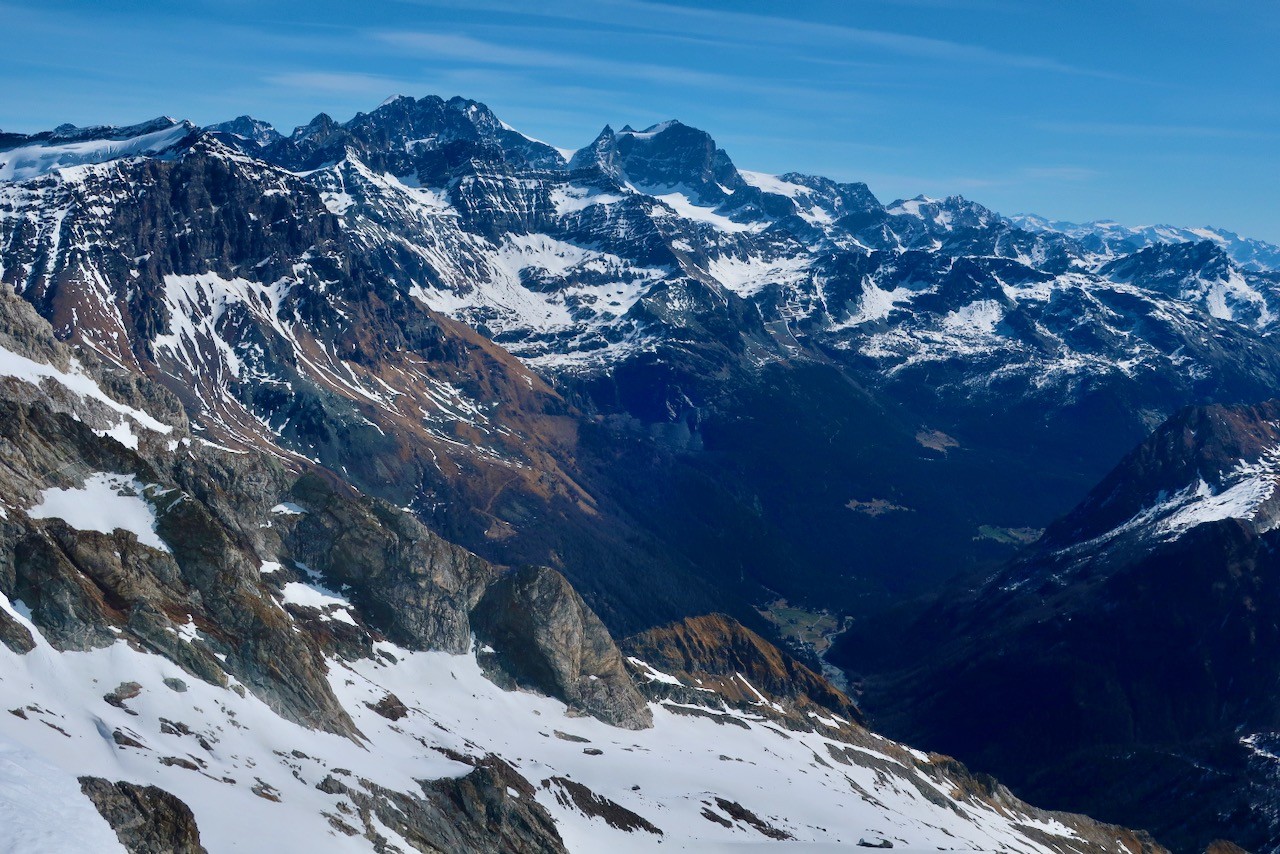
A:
1138,110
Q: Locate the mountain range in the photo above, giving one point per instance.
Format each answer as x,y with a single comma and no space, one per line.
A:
328,386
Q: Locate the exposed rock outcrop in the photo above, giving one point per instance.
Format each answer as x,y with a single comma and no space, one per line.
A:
572,793
1223,846
492,808
545,637
15,635
718,653
410,583
146,819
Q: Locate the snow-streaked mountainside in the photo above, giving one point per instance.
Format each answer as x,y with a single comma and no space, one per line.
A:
684,387
221,653
1154,598
639,240
266,278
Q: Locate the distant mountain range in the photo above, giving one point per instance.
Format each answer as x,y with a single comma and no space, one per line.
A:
1250,254
382,360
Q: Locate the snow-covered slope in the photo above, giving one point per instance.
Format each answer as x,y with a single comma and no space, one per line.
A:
694,780
306,669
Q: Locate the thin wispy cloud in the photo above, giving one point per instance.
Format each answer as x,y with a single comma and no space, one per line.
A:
1138,129
747,28
437,46
1061,173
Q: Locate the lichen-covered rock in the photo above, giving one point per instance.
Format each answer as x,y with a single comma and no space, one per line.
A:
146,819
546,638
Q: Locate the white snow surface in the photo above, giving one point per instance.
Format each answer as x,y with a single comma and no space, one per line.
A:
680,201
668,774
43,811
746,276
107,502
774,184
570,199
313,594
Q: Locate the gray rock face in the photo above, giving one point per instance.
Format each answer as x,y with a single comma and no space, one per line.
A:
15,635
146,819
83,587
492,808
87,589
545,637
411,584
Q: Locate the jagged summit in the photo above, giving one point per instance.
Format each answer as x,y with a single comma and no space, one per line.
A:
665,157
656,128
1106,235
247,127
66,133
404,135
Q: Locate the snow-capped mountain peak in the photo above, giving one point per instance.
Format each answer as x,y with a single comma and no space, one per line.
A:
36,155
247,127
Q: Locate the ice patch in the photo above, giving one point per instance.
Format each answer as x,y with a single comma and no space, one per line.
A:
976,318
569,199
746,276
680,202
652,673
312,594
774,184
875,303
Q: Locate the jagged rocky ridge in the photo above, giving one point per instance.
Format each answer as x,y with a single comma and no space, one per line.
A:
218,646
